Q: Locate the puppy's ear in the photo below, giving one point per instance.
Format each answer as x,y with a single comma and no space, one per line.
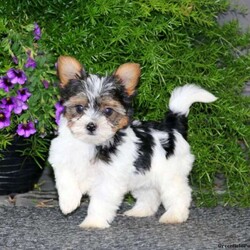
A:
68,68
129,74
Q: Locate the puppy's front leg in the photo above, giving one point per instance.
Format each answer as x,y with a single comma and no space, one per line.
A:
68,190
102,209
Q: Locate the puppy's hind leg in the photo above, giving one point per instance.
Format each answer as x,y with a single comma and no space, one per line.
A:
176,198
147,203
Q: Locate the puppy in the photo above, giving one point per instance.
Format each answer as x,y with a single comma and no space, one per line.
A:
101,152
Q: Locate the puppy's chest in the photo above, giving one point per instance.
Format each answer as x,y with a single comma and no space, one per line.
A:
105,154
132,149
115,150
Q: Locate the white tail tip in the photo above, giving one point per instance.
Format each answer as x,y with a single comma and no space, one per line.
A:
183,97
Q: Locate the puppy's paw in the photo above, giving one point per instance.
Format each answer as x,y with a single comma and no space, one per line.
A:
69,202
136,212
67,206
94,223
174,216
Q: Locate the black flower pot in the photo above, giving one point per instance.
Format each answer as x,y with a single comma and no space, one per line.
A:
18,173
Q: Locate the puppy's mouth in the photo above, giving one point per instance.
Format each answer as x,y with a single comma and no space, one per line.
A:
91,133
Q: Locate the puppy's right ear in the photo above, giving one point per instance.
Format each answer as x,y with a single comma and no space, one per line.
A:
68,68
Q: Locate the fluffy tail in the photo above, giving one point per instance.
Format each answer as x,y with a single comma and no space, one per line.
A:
183,97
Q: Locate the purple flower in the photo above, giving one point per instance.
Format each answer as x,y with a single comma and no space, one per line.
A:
5,83
45,84
13,104
37,32
23,94
8,104
26,129
30,63
19,106
4,118
59,109
16,76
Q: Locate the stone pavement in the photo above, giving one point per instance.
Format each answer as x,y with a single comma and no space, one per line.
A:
27,228
243,17
34,221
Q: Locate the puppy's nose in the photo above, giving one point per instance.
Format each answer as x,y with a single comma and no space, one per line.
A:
91,127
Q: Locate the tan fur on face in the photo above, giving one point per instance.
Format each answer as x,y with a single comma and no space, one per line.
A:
108,102
118,118
72,103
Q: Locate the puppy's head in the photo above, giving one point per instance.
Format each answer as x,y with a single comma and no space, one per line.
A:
96,107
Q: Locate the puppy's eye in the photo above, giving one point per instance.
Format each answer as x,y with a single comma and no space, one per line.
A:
79,109
108,111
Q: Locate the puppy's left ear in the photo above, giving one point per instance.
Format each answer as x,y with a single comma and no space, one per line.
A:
129,74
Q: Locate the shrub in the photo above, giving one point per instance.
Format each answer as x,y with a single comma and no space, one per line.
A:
176,42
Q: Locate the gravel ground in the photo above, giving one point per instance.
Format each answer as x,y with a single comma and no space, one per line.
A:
46,228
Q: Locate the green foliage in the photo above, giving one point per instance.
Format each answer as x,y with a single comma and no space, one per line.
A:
176,42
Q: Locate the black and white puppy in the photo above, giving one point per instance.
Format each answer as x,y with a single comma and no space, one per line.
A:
100,152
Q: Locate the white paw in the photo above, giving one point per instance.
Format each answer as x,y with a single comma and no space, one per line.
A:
174,216
94,223
135,212
69,202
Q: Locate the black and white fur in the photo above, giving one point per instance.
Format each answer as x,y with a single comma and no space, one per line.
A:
100,152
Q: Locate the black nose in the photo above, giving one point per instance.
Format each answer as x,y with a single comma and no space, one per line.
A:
91,127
